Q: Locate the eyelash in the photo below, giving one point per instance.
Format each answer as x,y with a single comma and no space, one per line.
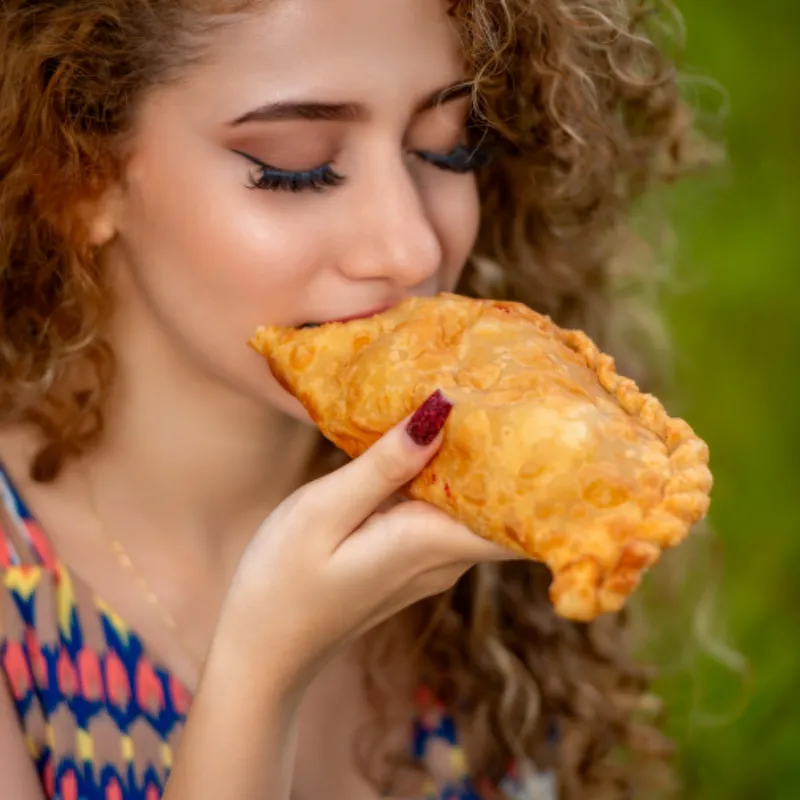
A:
280,180
461,160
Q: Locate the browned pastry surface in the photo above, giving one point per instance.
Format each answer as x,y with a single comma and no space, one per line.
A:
548,450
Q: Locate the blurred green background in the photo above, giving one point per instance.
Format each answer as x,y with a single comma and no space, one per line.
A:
734,312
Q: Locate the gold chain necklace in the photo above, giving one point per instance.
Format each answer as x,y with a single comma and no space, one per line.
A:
137,576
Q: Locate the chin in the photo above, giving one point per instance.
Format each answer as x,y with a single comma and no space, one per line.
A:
290,406
250,377
272,393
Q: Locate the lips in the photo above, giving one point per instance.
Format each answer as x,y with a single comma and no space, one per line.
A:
350,317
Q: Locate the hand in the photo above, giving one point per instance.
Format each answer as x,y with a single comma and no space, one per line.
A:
326,566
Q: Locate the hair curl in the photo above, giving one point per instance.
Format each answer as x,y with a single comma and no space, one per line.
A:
586,112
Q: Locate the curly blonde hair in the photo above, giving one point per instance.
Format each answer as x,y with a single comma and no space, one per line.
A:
584,111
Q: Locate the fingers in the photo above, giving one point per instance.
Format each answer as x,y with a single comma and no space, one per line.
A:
349,495
429,529
415,536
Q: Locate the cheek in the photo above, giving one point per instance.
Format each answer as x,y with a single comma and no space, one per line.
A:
211,263
218,252
454,208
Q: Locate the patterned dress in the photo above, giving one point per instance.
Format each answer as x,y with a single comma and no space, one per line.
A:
101,720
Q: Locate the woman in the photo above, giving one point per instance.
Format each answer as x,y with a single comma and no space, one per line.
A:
199,600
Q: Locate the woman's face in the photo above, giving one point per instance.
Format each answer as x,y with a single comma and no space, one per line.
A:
329,108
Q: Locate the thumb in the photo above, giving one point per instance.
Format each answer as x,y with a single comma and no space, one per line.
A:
353,492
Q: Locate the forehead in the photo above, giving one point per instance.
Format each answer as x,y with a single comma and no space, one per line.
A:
335,47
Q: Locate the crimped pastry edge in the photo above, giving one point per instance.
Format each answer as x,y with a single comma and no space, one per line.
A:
685,498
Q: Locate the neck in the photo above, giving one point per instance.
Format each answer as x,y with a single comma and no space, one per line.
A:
202,463
186,453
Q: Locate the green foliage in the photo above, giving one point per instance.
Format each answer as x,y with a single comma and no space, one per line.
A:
735,318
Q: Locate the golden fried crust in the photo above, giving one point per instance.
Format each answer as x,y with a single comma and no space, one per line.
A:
547,450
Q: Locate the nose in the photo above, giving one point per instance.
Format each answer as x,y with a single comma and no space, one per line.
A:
392,235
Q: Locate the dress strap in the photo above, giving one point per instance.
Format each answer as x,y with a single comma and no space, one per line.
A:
22,541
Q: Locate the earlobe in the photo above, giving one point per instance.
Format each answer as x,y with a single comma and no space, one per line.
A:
101,218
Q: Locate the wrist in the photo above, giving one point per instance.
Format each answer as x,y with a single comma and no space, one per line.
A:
246,712
258,653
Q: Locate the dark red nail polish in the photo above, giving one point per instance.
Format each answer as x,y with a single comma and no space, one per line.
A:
429,419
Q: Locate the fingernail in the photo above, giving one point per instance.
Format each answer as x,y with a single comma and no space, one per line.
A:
429,419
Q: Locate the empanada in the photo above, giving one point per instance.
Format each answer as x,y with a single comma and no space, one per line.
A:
547,451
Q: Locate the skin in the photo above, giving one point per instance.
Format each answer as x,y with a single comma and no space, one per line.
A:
202,445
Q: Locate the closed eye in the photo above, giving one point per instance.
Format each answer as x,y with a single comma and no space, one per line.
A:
461,159
275,179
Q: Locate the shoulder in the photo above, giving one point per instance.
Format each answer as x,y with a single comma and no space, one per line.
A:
22,541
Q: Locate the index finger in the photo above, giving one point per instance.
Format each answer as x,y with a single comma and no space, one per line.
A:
350,494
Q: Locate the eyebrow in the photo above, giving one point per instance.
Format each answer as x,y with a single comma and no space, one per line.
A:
341,112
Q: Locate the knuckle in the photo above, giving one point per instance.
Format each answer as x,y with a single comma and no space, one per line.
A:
389,469
440,580
399,538
307,500
409,530
417,517
301,509
422,537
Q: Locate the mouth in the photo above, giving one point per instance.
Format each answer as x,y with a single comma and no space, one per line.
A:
362,315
